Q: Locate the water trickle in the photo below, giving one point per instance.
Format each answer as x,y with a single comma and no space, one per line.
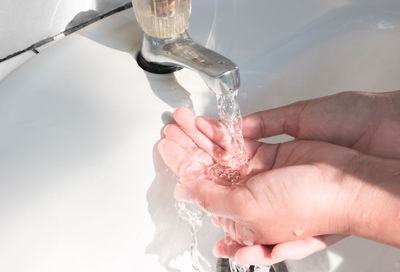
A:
193,215
229,113
235,267
226,171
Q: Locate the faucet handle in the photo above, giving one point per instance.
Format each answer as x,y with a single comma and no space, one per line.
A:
163,18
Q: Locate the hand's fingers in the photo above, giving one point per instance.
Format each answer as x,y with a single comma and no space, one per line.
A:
226,248
173,155
238,232
283,120
294,250
299,249
179,160
220,135
256,255
216,220
186,120
214,198
215,131
175,134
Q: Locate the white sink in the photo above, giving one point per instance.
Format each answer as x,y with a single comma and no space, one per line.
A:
82,187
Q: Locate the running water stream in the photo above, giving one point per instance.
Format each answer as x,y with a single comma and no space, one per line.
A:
229,114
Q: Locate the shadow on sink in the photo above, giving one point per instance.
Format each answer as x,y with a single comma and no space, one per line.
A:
166,88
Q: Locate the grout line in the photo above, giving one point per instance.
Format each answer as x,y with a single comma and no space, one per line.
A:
66,32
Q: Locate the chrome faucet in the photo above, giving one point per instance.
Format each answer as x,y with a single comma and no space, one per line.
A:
167,47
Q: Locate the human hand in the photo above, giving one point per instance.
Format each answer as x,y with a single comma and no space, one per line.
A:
183,150
303,196
367,122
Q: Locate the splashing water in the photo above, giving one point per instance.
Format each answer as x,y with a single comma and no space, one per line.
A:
193,215
227,171
235,267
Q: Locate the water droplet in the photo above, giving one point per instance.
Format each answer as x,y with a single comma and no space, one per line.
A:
298,233
364,215
225,173
385,25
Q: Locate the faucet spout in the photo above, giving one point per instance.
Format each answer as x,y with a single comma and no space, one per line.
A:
219,73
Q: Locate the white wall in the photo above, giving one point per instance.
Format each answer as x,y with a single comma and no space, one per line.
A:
25,22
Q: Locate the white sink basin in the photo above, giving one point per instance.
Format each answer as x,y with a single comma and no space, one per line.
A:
82,188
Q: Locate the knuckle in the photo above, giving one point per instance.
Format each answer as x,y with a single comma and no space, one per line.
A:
203,203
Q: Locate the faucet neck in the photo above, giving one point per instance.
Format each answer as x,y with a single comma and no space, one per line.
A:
220,74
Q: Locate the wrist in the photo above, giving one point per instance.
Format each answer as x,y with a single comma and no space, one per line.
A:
374,201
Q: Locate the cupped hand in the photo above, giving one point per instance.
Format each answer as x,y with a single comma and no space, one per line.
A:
300,189
195,145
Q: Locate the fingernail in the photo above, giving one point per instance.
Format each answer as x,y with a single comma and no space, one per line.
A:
164,131
215,221
182,193
160,146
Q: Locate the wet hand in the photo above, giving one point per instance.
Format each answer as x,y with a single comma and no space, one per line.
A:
305,193
189,149
195,145
367,122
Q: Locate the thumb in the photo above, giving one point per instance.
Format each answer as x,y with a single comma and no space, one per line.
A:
283,120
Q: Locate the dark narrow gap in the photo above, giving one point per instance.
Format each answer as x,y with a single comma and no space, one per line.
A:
68,31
